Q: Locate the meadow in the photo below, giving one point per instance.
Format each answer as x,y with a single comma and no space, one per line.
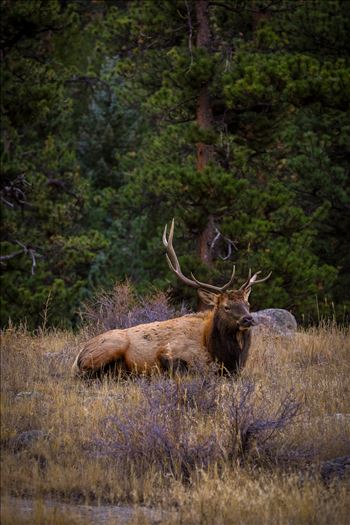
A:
267,447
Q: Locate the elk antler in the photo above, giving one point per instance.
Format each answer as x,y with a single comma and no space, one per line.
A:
174,266
253,280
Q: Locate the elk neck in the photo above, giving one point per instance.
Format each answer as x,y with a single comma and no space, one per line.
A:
224,342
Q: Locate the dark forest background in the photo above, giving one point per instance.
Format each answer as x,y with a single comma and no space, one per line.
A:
231,116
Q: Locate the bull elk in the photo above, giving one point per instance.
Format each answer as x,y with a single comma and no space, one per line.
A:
221,334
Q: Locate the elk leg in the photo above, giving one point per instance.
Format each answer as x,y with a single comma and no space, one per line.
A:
101,351
172,366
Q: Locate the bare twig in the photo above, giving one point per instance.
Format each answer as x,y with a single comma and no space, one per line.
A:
230,244
14,191
9,204
27,250
10,255
45,314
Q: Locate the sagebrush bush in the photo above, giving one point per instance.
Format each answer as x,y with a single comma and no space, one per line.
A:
123,308
174,426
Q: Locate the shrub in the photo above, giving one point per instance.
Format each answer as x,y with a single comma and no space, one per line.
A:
179,427
122,308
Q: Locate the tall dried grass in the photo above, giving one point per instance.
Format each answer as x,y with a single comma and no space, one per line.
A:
218,450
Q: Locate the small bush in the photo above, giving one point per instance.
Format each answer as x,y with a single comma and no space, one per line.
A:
174,427
122,308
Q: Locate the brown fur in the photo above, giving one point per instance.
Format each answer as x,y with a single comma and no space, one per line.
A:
228,346
189,340
225,339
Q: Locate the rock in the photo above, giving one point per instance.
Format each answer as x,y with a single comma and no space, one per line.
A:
341,417
27,395
25,509
338,417
26,439
338,468
274,320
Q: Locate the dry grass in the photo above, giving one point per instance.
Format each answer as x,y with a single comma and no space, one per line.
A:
179,443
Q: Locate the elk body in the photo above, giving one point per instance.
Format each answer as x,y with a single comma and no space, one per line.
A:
221,334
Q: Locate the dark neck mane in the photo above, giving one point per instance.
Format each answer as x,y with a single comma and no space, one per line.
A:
225,344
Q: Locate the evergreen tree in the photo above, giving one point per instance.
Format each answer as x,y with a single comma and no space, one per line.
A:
236,93
45,252
231,116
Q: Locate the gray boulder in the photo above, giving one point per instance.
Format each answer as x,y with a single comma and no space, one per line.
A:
27,439
337,468
274,320
27,395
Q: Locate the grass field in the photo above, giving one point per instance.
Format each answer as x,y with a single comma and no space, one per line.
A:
204,449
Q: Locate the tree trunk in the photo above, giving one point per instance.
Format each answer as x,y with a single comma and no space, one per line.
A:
204,119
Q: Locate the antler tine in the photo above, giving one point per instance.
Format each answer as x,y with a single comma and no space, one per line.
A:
174,265
172,259
216,288
245,284
168,243
228,284
261,280
253,280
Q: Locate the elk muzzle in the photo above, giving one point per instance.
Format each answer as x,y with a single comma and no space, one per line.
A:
246,322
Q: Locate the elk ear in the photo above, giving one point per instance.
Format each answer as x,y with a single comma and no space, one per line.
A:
209,298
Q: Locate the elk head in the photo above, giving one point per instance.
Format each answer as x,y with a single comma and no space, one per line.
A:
230,306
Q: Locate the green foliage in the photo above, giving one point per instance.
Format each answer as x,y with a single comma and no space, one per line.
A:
262,94
44,196
99,139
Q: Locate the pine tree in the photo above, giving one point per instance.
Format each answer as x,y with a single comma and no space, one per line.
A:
222,85
45,252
